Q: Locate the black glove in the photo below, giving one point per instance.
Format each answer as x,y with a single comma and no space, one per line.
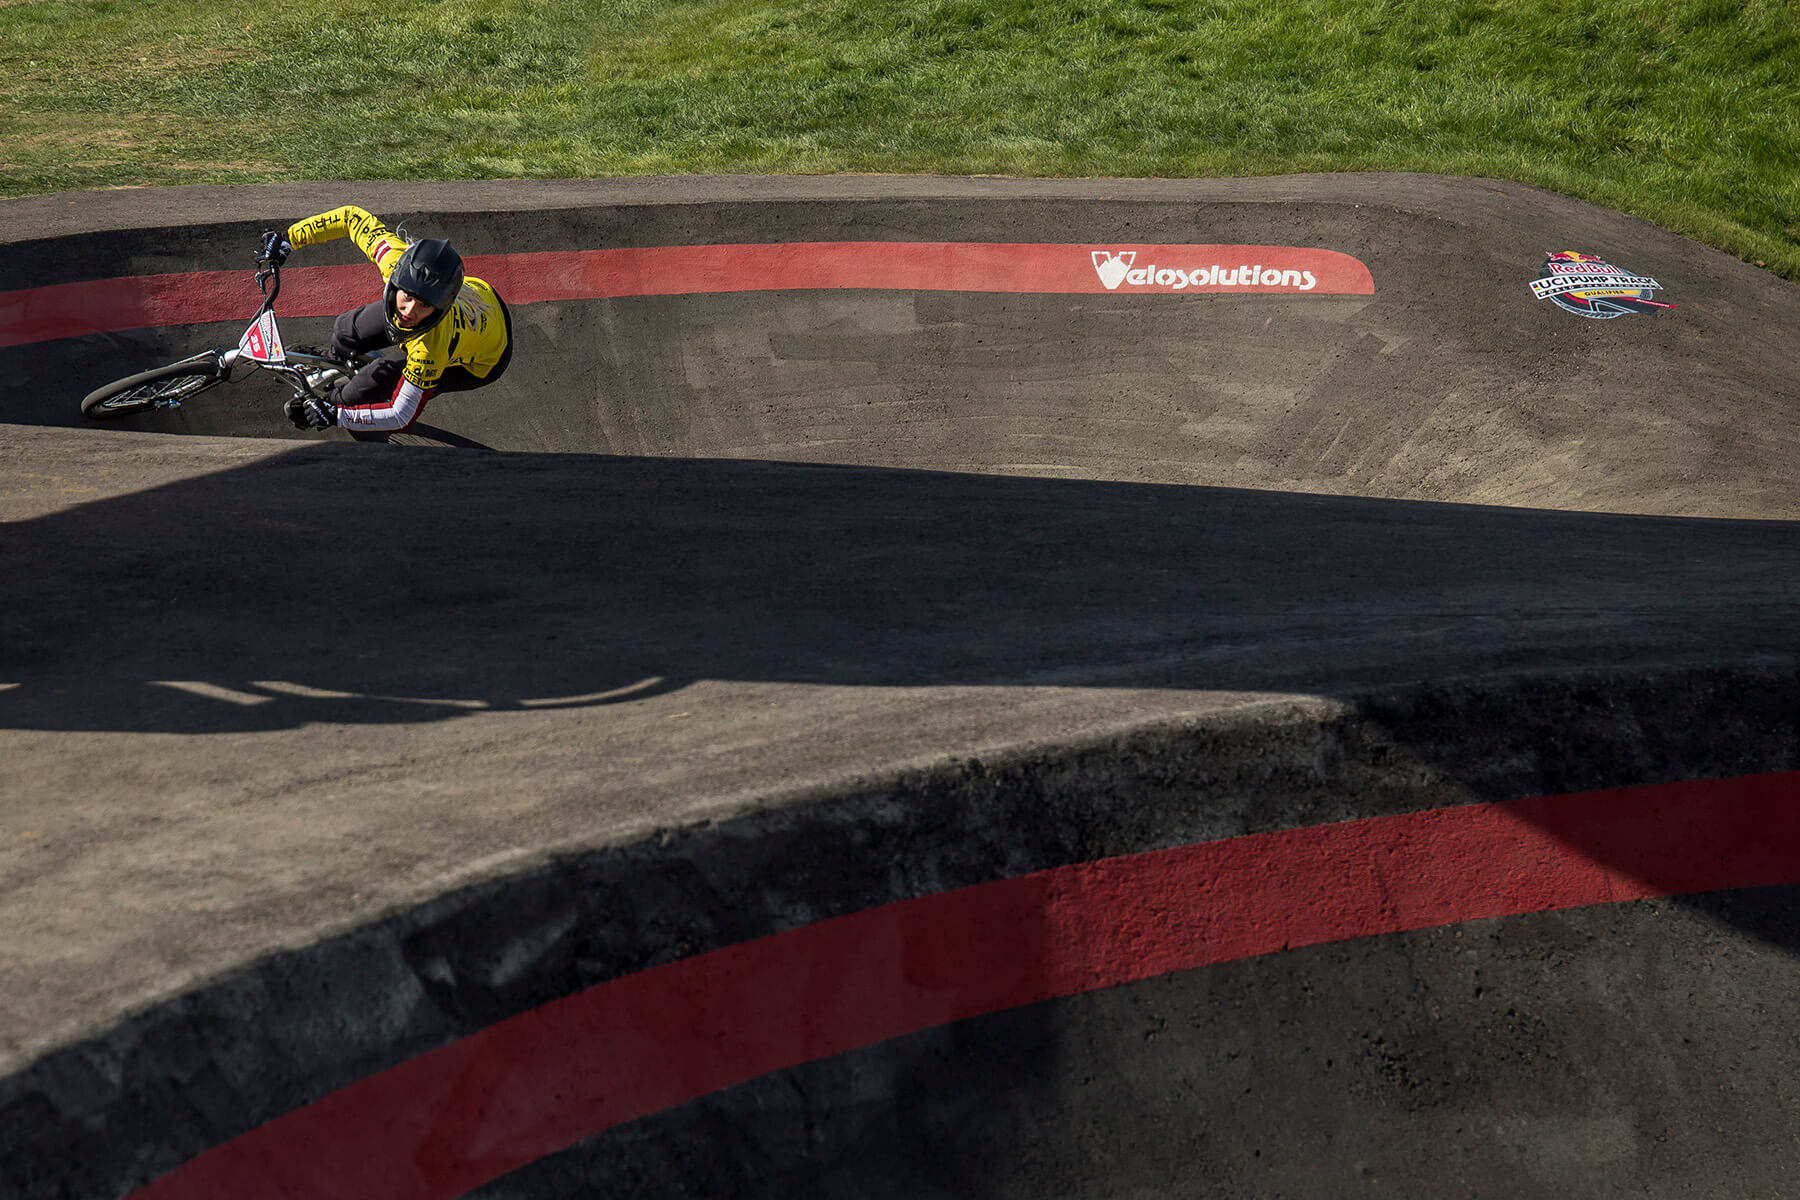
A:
306,412
275,247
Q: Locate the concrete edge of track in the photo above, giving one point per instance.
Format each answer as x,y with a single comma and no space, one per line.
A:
63,214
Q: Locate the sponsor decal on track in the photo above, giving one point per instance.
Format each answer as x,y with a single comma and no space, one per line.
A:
1118,268
1592,287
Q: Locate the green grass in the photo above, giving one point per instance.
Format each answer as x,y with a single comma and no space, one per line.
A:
111,93
1685,112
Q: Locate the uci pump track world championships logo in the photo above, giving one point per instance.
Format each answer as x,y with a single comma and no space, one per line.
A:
1592,287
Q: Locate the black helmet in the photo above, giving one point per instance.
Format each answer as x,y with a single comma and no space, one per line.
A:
430,269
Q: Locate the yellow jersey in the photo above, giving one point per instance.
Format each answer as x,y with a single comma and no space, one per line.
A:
471,336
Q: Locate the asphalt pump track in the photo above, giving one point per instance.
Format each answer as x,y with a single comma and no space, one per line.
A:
909,688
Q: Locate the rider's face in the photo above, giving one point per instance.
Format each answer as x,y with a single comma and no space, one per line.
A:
410,308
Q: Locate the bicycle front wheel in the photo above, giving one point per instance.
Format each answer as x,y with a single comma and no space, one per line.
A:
149,389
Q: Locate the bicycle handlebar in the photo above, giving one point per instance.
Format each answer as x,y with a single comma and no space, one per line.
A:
267,269
271,253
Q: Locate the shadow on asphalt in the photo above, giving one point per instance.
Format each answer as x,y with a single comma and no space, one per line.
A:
370,586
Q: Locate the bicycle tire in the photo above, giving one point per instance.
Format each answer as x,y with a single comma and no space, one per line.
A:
136,393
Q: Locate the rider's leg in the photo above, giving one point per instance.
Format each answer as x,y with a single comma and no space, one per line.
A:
459,379
361,331
374,383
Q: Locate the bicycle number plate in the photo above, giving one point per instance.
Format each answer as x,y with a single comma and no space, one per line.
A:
262,341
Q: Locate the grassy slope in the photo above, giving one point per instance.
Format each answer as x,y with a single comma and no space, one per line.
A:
1686,112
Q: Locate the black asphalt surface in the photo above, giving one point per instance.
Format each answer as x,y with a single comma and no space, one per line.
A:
725,613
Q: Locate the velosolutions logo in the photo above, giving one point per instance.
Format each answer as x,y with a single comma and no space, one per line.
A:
1118,268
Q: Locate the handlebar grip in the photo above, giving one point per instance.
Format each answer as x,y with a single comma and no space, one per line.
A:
274,247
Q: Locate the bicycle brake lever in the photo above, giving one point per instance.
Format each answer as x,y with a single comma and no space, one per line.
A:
270,270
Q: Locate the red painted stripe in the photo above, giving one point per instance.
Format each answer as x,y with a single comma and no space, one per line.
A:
446,1122
147,301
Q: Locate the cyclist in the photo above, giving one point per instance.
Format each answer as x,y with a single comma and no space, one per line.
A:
456,330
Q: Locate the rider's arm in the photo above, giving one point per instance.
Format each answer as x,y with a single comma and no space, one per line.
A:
382,246
382,398
396,410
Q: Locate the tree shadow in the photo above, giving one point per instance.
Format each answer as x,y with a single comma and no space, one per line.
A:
368,587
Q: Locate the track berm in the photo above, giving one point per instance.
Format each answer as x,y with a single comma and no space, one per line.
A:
858,713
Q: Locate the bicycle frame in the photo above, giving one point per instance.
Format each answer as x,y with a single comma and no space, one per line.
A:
309,372
262,346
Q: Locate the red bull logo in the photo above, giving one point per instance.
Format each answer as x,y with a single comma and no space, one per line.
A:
262,341
1592,287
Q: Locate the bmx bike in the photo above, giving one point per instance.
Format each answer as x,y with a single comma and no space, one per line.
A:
312,372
